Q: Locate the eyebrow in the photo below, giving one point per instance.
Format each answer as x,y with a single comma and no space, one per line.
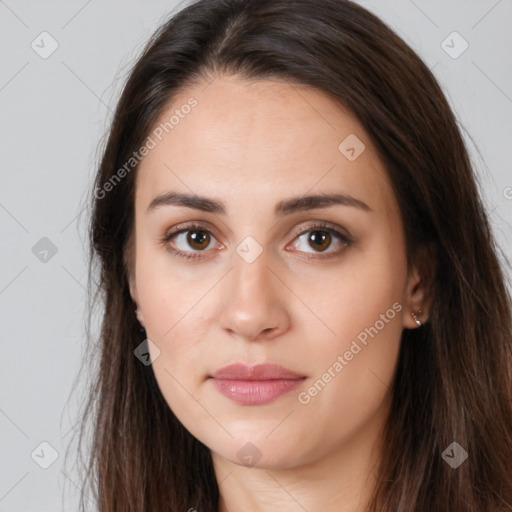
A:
286,207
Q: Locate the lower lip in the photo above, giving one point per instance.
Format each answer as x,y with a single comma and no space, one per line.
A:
255,392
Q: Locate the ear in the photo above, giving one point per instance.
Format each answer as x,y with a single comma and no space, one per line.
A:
129,264
419,291
135,298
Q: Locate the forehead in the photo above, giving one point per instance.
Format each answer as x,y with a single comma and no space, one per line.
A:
270,138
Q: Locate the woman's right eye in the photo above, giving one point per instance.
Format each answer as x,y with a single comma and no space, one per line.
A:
195,237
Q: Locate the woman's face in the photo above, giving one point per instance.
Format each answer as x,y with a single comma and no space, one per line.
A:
262,277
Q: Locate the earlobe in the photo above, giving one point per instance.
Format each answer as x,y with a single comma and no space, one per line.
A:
134,295
416,304
133,290
416,315
419,290
140,317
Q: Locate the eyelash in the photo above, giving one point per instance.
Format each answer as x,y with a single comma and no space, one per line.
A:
195,255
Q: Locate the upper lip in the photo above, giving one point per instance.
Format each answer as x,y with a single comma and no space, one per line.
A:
241,371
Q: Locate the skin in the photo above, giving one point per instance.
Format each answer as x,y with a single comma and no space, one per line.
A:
252,145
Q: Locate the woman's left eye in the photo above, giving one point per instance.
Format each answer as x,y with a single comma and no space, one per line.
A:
322,236
200,239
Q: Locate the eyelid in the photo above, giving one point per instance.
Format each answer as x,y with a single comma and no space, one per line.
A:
189,226
341,233
327,226
183,227
297,231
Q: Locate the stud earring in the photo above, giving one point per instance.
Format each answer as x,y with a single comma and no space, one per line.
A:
416,319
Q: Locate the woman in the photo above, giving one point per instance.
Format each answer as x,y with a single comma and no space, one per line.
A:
321,322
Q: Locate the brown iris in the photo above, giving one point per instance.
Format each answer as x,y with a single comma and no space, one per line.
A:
319,238
196,239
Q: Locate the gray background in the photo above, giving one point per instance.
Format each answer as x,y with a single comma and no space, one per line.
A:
54,112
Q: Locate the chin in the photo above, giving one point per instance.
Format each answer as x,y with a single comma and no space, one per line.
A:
258,452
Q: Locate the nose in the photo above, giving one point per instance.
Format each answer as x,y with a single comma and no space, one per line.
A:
254,301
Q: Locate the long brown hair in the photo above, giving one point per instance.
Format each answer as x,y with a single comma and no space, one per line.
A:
454,379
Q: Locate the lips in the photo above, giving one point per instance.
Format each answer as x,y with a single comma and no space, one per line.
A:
255,385
241,371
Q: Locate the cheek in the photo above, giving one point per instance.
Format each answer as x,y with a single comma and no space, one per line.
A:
353,384
174,323
170,294
352,296
361,310
176,313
